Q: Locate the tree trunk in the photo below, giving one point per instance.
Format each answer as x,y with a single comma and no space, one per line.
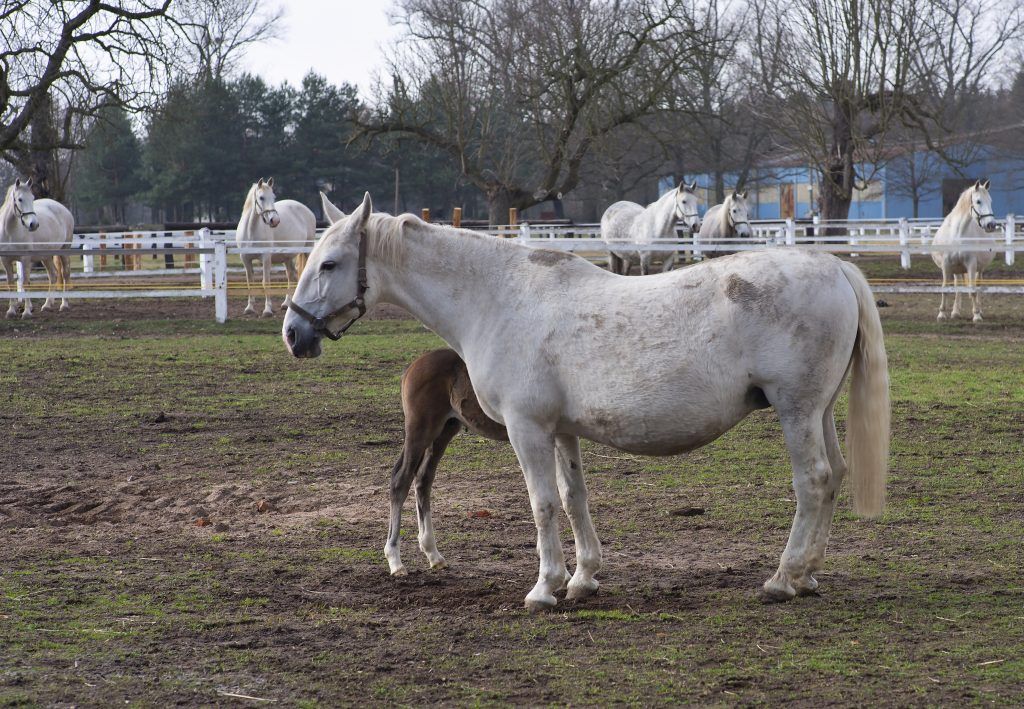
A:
42,141
917,203
499,200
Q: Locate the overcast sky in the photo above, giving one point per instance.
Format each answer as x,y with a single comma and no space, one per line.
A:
340,39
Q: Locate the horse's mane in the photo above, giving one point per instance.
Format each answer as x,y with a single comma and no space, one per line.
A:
250,200
727,211
964,202
386,234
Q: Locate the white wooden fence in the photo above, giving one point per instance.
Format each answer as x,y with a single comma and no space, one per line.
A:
211,251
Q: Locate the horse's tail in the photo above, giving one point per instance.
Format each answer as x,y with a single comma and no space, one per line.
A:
867,426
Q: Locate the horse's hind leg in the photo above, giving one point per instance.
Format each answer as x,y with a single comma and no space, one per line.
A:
424,483
51,283
947,274
573,490
247,263
812,481
958,281
63,264
289,267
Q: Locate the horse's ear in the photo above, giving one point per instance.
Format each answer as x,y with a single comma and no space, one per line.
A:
270,182
365,209
259,183
17,182
28,182
977,184
987,183
743,194
692,187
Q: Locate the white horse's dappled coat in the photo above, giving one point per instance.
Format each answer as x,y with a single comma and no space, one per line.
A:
558,349
971,218
728,220
270,224
628,221
28,223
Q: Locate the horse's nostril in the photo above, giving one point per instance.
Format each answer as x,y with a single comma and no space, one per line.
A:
291,336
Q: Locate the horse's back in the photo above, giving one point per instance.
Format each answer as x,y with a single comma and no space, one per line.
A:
62,222
302,217
619,215
711,225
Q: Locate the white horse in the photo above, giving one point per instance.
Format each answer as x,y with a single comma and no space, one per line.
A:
971,218
628,221
331,213
728,220
41,224
269,224
558,349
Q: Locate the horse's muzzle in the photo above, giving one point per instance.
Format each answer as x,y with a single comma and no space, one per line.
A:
302,341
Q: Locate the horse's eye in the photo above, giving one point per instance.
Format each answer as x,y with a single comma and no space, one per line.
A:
328,266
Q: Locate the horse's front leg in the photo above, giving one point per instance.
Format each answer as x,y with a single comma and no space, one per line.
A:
669,263
63,264
972,283
51,282
247,263
10,272
23,280
572,488
958,281
268,310
535,448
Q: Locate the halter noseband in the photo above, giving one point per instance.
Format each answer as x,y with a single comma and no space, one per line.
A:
979,216
320,324
19,211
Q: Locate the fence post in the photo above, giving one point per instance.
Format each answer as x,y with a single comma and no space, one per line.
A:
22,277
88,265
1010,228
425,214
205,282
220,276
904,242
790,232
457,217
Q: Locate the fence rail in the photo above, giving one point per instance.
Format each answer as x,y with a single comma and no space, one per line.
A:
206,253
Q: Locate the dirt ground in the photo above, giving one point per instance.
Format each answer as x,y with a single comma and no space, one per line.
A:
188,516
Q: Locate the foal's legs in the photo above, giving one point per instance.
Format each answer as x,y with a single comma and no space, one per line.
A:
535,448
289,267
812,481
972,283
424,482
947,273
573,490
958,281
268,310
247,263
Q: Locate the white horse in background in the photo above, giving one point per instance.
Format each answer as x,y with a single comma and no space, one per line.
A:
971,218
728,220
269,224
628,221
27,223
673,361
331,213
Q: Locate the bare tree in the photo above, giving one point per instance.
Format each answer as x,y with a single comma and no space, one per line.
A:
219,32
860,69
517,92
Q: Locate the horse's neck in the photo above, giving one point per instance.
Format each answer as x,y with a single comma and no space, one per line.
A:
250,226
959,223
659,218
9,222
443,280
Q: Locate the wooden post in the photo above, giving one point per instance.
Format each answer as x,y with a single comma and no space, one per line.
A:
103,257
513,219
190,259
425,214
457,217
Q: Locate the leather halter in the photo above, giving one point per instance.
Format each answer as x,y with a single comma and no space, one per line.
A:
359,302
20,212
979,216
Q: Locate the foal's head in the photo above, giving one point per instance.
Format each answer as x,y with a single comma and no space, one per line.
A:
686,205
330,294
264,202
23,203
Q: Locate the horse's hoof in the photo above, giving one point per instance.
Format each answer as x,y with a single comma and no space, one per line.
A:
438,563
977,317
11,314
267,314
64,307
955,314
807,586
249,310
777,590
45,306
941,316
26,315
582,589
400,571
540,602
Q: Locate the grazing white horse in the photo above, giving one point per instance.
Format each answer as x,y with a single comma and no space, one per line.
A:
628,221
331,213
269,224
28,223
728,220
558,349
971,218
